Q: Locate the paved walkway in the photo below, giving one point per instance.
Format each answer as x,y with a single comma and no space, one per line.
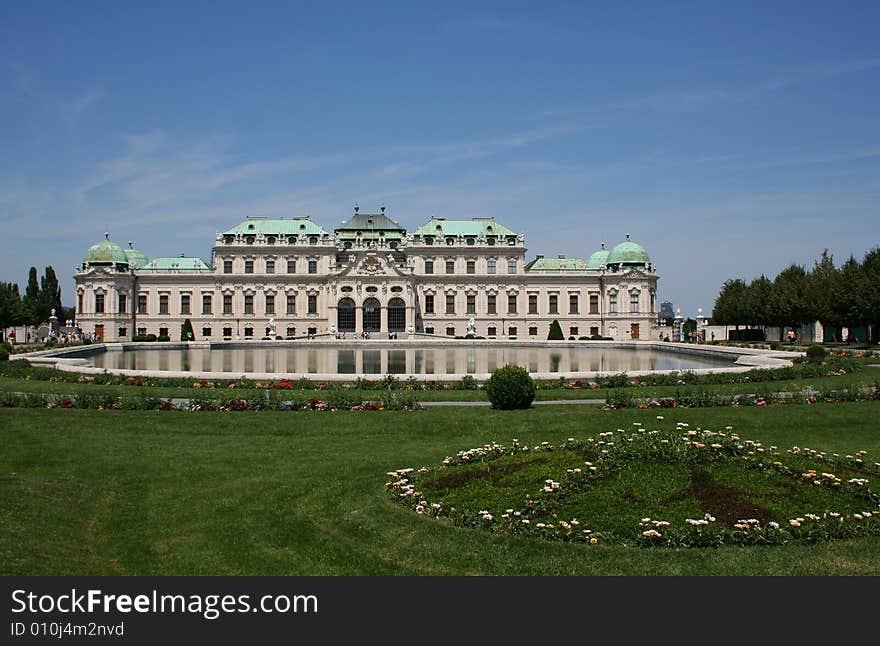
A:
548,402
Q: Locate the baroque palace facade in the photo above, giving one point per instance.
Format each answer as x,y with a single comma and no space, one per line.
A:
292,278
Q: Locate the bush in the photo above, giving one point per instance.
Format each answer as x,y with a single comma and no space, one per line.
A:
163,337
144,337
815,352
510,387
186,331
4,354
555,332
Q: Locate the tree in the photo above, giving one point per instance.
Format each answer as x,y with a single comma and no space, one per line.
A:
849,303
791,307
11,310
31,301
761,301
726,308
871,269
555,332
822,285
50,295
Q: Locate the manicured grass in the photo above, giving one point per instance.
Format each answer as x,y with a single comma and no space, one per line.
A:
89,492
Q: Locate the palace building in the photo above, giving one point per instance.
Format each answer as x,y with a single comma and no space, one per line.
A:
292,278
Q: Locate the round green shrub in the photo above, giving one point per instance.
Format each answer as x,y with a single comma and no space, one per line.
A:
163,337
510,387
815,352
4,354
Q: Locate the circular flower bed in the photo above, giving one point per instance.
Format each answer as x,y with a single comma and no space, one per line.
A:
674,486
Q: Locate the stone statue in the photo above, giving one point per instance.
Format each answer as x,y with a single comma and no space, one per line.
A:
271,328
471,326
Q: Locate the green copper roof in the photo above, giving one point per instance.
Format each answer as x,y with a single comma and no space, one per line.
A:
598,258
628,253
472,227
280,227
365,222
136,259
557,264
178,263
105,252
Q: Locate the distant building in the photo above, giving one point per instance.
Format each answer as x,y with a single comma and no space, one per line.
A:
293,278
666,310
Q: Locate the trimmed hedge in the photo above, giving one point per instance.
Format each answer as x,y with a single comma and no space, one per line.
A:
510,387
815,352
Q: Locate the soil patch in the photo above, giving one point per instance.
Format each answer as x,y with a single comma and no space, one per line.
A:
727,504
491,471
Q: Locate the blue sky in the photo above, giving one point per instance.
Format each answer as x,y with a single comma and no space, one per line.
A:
730,139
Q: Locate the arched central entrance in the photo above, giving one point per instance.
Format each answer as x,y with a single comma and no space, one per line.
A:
345,315
372,315
396,315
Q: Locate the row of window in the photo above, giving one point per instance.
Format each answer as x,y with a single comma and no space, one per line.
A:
470,240
471,304
471,266
513,331
553,304
207,304
227,332
312,266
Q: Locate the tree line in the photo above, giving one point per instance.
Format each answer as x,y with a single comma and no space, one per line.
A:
36,304
846,296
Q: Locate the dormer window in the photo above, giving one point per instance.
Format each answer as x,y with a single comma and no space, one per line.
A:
250,227
429,240
470,241
450,241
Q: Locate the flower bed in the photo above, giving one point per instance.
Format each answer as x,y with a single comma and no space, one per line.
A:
671,486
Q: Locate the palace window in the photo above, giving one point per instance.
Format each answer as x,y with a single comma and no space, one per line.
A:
511,331
533,304
450,266
511,266
123,331
142,304
270,266
206,331
313,303
163,331
248,266
270,303
227,266
429,266
291,332
99,303
594,303
471,304
429,330
248,303
572,303
491,304
491,331
594,331
248,332
163,303
206,303
291,266
490,266
291,304
185,303
533,331
634,302
572,331
227,303
612,303
471,266
450,331
429,304
79,307
554,304
511,303
123,304
313,266
227,331
450,303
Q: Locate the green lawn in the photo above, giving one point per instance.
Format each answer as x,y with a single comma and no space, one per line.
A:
122,492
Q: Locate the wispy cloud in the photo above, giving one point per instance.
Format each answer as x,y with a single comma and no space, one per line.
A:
732,94
74,107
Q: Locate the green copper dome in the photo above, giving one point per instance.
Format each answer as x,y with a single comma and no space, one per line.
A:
105,252
598,258
136,259
628,253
